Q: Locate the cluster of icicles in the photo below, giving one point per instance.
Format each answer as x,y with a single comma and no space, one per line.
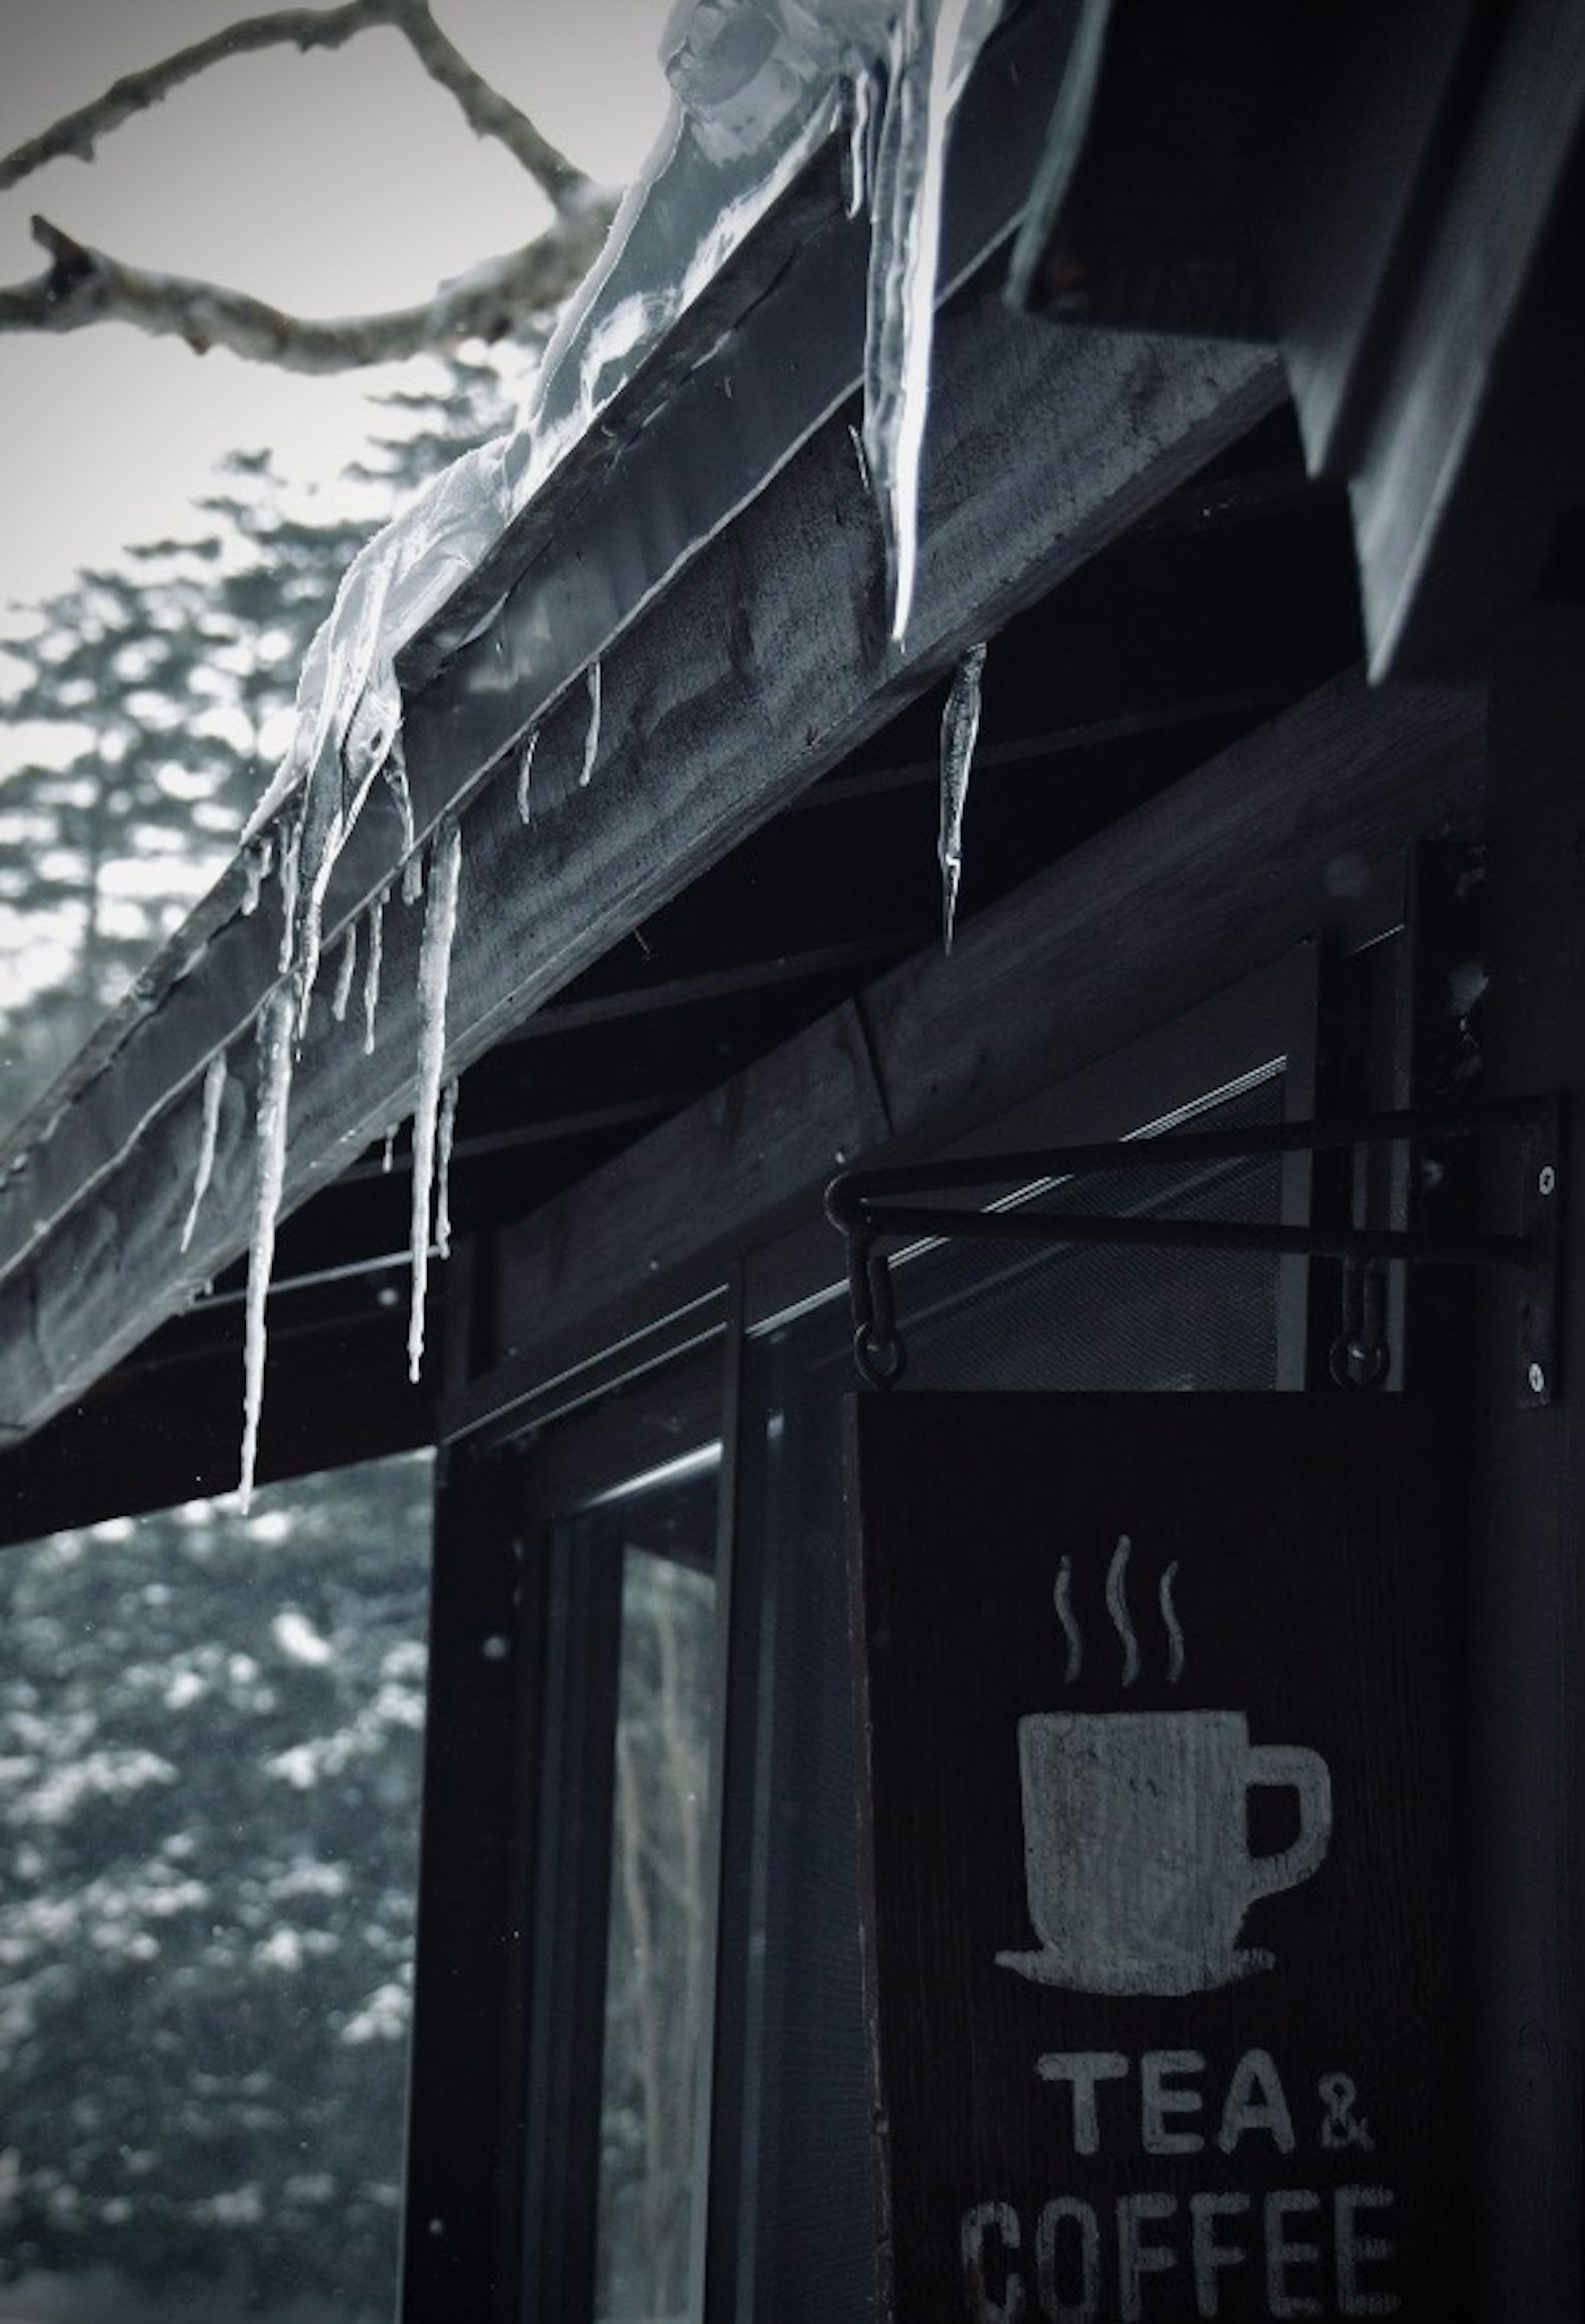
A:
902,65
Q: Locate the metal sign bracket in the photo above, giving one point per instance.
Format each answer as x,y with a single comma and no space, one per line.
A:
871,1208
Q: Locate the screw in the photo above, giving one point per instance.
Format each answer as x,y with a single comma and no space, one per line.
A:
1537,1380
1547,1181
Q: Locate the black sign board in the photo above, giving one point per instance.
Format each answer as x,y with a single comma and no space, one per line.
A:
1156,1701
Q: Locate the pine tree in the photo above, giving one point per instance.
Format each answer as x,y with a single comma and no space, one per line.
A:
209,1740
167,687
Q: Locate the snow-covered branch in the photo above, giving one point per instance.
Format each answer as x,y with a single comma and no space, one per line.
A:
82,286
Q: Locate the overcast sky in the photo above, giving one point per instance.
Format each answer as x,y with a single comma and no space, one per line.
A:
330,184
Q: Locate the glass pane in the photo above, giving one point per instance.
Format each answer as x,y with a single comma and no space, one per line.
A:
654,1992
210,1732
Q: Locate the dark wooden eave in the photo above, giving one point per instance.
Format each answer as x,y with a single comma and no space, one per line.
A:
1397,195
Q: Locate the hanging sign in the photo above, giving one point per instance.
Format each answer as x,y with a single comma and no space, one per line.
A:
1154,1698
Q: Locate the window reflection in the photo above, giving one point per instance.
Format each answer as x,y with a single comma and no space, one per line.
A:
655,1971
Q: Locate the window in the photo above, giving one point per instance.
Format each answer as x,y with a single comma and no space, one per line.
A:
619,1890
687,1886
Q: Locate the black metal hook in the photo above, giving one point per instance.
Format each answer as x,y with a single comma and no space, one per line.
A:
1360,1356
865,1205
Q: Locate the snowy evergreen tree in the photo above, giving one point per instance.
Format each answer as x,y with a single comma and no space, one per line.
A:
209,1759
158,701
210,1727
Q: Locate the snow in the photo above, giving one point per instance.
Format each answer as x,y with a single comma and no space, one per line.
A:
434,977
298,1639
208,1138
383,2016
960,728
104,1775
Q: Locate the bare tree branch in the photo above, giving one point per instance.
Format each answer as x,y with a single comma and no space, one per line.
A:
486,111
82,286
78,134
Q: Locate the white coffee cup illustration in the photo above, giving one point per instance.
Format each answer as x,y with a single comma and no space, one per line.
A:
1137,1853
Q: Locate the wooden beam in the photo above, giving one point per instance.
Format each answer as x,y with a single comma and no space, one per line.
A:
761,668
1204,885
562,1017
1038,749
1476,453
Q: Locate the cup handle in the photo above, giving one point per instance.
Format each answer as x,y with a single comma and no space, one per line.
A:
1294,1767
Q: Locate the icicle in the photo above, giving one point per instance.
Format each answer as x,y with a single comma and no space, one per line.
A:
208,1138
592,739
412,877
276,1061
445,1138
344,974
257,864
524,769
960,726
396,782
860,117
434,975
931,41
291,865
388,1154
372,972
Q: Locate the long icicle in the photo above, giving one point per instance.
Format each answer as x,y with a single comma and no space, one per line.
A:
905,244
347,969
434,976
445,1139
861,100
290,869
208,1138
276,1028
372,970
960,728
